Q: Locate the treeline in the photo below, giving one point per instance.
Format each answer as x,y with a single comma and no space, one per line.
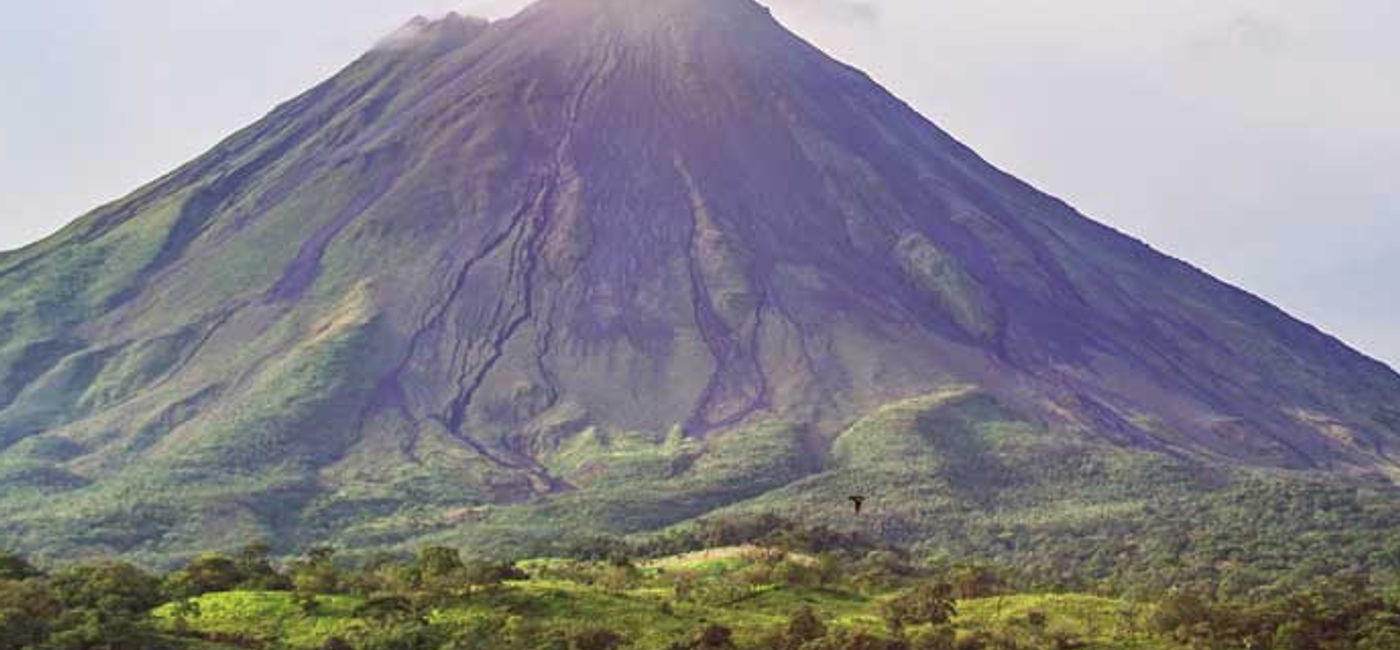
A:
78,608
760,530
1329,615
110,605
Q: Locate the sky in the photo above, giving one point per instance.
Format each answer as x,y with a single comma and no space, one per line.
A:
1256,139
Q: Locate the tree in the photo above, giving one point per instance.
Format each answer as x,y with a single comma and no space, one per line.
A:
16,567
106,606
438,562
316,572
209,573
254,563
26,609
385,572
115,589
1191,618
927,604
96,629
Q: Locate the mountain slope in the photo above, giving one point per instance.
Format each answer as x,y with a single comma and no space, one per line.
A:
660,249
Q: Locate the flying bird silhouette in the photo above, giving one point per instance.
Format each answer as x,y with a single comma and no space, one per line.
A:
858,502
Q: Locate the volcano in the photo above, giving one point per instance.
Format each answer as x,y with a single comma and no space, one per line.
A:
610,266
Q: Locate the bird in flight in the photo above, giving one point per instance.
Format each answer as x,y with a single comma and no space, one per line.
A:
858,502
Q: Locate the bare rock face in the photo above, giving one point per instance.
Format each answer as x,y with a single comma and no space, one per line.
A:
438,279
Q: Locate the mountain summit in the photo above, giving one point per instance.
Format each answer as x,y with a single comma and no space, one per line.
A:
613,265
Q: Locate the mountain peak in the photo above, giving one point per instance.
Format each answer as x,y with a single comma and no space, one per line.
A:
652,7
451,30
491,266
648,15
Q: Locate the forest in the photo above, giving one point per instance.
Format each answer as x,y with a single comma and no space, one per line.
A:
756,583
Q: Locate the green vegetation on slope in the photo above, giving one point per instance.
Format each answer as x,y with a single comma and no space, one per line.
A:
787,595
951,473
954,473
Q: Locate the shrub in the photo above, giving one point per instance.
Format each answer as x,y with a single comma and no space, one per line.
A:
413,635
803,627
388,609
684,583
594,638
714,637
